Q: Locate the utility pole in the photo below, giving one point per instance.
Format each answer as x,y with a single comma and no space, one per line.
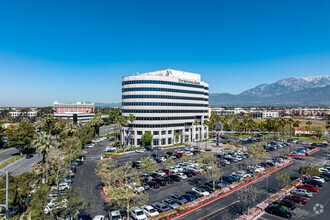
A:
7,194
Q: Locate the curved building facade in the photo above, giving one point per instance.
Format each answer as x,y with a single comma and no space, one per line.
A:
166,103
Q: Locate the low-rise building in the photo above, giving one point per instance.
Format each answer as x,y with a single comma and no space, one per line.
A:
80,107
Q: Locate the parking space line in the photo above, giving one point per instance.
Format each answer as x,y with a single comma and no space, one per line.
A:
219,210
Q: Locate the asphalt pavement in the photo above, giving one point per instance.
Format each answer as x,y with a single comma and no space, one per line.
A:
106,130
22,165
7,153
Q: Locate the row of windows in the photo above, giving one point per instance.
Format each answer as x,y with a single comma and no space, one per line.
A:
165,118
162,111
162,104
160,125
164,83
163,90
162,97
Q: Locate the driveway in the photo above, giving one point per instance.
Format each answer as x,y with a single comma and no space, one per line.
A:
22,165
6,154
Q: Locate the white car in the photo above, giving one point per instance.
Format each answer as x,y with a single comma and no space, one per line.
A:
182,176
162,158
201,191
149,211
302,192
179,168
115,215
160,173
323,169
99,217
138,214
188,153
318,179
174,170
52,206
140,151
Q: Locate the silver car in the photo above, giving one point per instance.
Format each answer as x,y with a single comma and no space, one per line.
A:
302,192
170,203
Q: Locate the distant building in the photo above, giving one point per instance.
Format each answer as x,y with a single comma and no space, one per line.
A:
269,114
75,116
78,107
32,113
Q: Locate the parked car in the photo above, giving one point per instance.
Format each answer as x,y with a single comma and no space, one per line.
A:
326,179
313,182
161,207
166,179
287,203
187,173
201,191
207,188
318,179
145,186
149,211
84,216
138,214
175,178
159,181
189,197
296,199
153,185
278,210
178,199
99,217
182,176
195,194
166,171
308,187
170,203
115,215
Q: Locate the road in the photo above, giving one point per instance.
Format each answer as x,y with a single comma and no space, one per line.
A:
106,130
22,165
316,207
6,154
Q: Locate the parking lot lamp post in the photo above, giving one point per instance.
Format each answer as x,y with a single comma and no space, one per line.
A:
7,194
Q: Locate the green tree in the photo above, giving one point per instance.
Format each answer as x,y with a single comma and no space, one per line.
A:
147,138
257,153
74,204
21,136
149,165
309,123
290,122
187,158
169,163
85,134
282,178
122,121
49,120
71,148
95,123
69,129
120,195
248,195
44,143
2,134
176,137
131,118
58,169
318,132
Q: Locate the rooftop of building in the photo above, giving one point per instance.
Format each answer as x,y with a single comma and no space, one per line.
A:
174,73
76,103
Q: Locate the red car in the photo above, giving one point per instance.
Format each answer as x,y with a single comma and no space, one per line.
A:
296,199
193,172
179,154
308,187
168,172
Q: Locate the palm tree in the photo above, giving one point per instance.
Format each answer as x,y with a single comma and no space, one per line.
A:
282,123
131,118
290,122
57,129
70,129
309,123
95,123
122,121
49,120
269,124
234,124
44,142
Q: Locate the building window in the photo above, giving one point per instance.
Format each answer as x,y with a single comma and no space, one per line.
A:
163,141
156,142
139,142
169,141
169,132
163,132
156,132
139,132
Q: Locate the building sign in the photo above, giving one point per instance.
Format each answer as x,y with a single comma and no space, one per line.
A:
189,81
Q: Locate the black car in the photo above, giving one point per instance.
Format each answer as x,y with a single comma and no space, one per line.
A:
278,210
187,173
287,203
145,186
159,181
195,194
154,155
265,165
170,153
29,156
166,179
157,160
136,165
207,188
326,179
154,175
326,174
153,184
175,178
230,179
148,148
84,216
313,182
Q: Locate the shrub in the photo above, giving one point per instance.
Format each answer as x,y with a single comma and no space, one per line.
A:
112,154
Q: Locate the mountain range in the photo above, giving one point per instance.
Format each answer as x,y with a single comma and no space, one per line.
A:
295,91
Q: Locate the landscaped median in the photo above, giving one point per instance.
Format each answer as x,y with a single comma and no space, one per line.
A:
277,196
10,160
109,155
198,203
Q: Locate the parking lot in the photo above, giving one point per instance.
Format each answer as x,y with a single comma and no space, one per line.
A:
90,183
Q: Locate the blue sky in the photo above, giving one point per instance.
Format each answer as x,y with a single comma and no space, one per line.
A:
79,50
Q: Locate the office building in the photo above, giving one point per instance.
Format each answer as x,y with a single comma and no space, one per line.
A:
81,107
167,103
